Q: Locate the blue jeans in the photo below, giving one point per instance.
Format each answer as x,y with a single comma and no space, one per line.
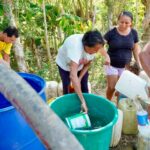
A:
65,77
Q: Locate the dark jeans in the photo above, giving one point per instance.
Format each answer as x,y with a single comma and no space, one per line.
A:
65,77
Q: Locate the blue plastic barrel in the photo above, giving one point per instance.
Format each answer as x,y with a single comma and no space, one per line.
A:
15,133
36,83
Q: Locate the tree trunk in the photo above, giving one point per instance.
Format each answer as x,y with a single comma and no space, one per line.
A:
36,55
75,7
18,48
91,10
136,15
110,17
86,10
94,18
146,23
46,124
109,5
55,42
59,34
46,33
81,9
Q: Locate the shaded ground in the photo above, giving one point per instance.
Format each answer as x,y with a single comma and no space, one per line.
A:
127,142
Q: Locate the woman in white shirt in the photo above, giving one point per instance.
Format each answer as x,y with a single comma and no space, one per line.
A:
73,60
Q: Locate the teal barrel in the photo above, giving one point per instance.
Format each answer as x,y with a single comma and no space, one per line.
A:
15,133
103,115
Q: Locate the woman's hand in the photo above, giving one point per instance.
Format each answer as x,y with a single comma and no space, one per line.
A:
84,108
76,84
107,61
83,61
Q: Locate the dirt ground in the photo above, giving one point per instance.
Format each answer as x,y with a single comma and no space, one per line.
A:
127,142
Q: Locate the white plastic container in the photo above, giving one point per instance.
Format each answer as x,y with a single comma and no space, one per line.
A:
117,129
79,121
128,107
143,138
132,86
60,89
51,89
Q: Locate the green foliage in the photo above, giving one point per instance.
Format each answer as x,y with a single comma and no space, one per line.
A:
31,21
115,7
13,62
1,10
3,20
63,16
97,75
49,72
52,14
102,20
71,24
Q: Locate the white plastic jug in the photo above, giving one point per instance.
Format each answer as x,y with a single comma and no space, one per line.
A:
143,138
117,129
129,116
132,86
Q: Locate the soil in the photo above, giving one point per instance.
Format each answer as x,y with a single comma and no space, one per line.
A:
127,142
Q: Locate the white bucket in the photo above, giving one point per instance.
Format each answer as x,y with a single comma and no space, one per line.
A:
132,86
79,121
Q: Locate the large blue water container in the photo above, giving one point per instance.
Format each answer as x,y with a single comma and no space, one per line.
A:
15,133
36,83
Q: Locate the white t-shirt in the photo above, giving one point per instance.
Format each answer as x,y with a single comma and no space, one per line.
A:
72,50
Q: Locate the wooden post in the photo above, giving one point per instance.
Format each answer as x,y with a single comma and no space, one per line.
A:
46,124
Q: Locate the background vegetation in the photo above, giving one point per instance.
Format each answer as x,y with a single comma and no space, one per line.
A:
44,24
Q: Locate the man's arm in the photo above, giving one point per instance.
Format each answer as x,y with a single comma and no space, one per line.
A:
6,53
145,58
6,57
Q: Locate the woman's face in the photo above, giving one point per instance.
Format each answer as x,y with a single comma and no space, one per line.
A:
124,23
94,49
